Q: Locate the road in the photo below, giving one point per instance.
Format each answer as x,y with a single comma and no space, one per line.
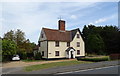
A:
63,69
102,70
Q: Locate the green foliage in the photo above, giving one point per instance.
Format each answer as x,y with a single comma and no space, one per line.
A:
38,56
101,40
8,49
95,44
23,46
97,59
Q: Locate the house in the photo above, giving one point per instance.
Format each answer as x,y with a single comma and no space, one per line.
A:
61,43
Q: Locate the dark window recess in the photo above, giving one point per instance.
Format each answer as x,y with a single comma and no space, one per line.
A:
57,43
78,44
41,35
56,53
42,53
68,44
78,36
39,43
78,52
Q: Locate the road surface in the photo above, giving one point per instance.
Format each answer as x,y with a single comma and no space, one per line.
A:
102,70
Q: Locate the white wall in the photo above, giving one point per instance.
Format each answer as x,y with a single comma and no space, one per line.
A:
44,48
82,45
51,49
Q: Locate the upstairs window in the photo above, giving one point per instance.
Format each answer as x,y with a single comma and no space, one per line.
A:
78,44
68,44
56,53
78,52
78,36
57,43
41,35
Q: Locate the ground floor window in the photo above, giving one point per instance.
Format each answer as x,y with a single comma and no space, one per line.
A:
56,53
78,52
42,53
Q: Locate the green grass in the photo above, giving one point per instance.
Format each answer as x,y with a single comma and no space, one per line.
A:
95,59
55,64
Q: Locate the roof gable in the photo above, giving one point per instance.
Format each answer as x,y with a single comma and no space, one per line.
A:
58,35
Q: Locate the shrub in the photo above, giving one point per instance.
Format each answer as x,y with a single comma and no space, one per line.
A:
97,59
38,56
114,56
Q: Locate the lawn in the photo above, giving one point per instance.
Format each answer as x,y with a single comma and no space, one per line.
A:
55,64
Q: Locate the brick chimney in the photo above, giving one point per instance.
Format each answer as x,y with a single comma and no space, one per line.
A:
61,25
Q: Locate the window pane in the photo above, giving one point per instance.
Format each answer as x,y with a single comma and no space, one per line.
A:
57,43
56,53
78,44
42,53
78,36
78,52
68,44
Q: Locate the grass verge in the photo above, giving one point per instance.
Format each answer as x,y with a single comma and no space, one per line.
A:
55,64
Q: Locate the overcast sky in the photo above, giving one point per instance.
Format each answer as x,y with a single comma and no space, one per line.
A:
30,17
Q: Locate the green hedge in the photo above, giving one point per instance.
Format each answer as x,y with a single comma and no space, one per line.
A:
97,59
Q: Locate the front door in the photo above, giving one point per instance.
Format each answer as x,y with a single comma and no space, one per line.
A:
71,54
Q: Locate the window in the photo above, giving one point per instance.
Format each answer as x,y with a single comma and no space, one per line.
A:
41,35
57,43
56,53
78,52
78,36
39,43
78,44
68,44
42,53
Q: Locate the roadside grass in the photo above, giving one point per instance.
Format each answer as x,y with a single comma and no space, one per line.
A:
95,59
55,64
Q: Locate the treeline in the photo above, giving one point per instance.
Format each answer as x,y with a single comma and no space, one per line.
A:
101,40
14,42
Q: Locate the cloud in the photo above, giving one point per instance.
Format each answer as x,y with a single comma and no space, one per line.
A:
101,20
73,17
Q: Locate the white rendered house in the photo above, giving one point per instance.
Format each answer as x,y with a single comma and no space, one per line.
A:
61,43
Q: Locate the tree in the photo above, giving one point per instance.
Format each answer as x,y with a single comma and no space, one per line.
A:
109,35
95,44
8,49
10,35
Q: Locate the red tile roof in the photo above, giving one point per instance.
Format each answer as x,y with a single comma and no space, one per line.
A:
57,35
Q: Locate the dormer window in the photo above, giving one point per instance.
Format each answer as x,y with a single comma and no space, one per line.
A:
78,36
41,35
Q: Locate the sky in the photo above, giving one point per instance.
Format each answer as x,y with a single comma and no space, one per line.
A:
31,17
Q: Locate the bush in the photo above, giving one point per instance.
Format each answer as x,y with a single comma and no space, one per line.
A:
38,56
114,56
97,59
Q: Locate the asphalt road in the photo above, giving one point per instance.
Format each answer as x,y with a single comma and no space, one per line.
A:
102,70
63,69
